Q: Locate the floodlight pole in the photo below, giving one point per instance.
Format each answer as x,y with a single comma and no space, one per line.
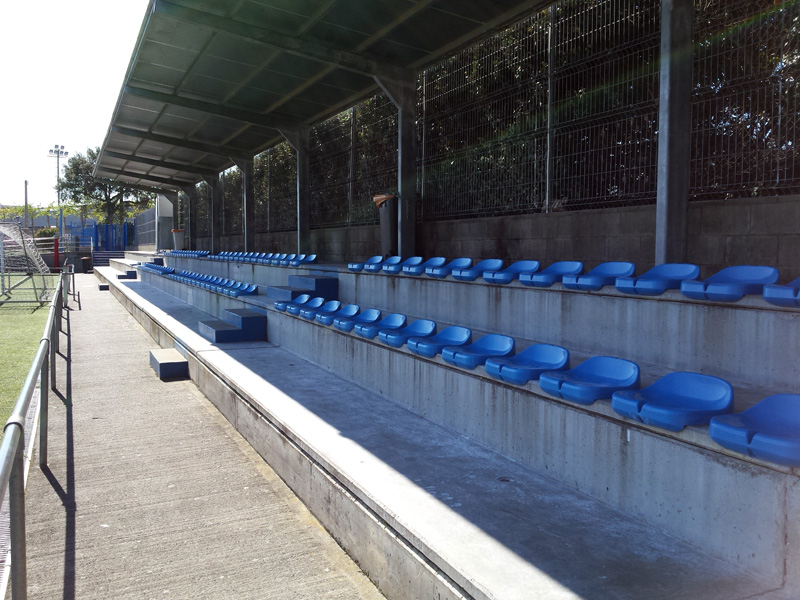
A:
57,152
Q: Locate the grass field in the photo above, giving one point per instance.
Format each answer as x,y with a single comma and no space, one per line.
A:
21,329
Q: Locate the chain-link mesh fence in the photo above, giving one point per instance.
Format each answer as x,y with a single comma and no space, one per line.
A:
203,212
275,183
231,184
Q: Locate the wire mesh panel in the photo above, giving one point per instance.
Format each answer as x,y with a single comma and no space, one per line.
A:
484,126
375,156
261,190
203,215
331,153
745,106
232,200
281,189
605,103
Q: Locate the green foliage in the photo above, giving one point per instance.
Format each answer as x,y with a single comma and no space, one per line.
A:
46,232
107,202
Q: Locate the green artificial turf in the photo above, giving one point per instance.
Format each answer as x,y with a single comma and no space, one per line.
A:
21,329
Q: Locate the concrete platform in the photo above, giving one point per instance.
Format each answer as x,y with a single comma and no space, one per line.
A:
168,364
150,492
422,507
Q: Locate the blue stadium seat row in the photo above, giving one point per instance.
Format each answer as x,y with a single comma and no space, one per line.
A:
229,287
266,258
728,285
187,253
769,431
157,269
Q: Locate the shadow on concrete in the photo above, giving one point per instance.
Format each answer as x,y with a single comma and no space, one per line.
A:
67,495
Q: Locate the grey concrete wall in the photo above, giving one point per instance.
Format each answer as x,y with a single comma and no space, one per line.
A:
733,507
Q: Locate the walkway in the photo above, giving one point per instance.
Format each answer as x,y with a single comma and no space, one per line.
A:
152,494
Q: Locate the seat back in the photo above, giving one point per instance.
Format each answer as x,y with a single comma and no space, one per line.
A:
494,342
564,267
413,261
460,263
745,274
310,258
348,310
549,354
704,391
523,265
393,260
301,299
455,335
781,412
673,271
614,269
374,260
330,306
369,316
609,367
314,302
436,261
421,327
393,320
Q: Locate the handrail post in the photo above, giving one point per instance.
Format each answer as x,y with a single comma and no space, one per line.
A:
44,393
16,495
52,360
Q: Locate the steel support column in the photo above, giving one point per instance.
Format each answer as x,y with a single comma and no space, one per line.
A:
299,141
215,199
674,131
190,216
402,91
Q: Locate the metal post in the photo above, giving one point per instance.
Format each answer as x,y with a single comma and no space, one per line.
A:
299,141
2,266
52,364
351,176
248,204
674,131
16,496
44,397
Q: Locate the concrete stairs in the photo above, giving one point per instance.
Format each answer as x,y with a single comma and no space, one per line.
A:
314,284
101,258
236,325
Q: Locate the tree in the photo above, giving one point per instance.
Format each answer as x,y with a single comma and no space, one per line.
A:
105,201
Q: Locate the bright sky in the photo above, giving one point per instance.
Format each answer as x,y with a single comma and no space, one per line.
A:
62,63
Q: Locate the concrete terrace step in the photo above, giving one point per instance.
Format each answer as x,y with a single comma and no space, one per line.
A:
317,285
426,511
236,325
284,292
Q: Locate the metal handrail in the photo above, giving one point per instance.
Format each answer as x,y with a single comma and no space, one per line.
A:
12,471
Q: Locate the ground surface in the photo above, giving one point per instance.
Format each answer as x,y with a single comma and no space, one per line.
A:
151,494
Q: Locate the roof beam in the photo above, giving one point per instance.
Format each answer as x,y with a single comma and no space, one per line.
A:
245,116
161,163
143,176
225,151
352,61
130,186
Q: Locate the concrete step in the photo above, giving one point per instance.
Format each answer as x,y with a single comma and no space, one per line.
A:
284,292
127,275
220,332
327,287
253,324
168,363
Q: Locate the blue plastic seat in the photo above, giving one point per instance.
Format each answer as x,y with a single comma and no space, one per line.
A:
306,259
603,274
295,260
308,312
551,274
783,295
294,308
511,272
370,315
284,262
431,346
266,258
376,267
528,364
416,270
472,355
658,279
770,430
348,310
276,259
595,378
730,284
390,321
281,305
395,268
445,270
359,266
397,337
472,273
676,401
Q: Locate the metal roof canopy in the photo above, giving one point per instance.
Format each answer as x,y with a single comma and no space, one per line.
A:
213,82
